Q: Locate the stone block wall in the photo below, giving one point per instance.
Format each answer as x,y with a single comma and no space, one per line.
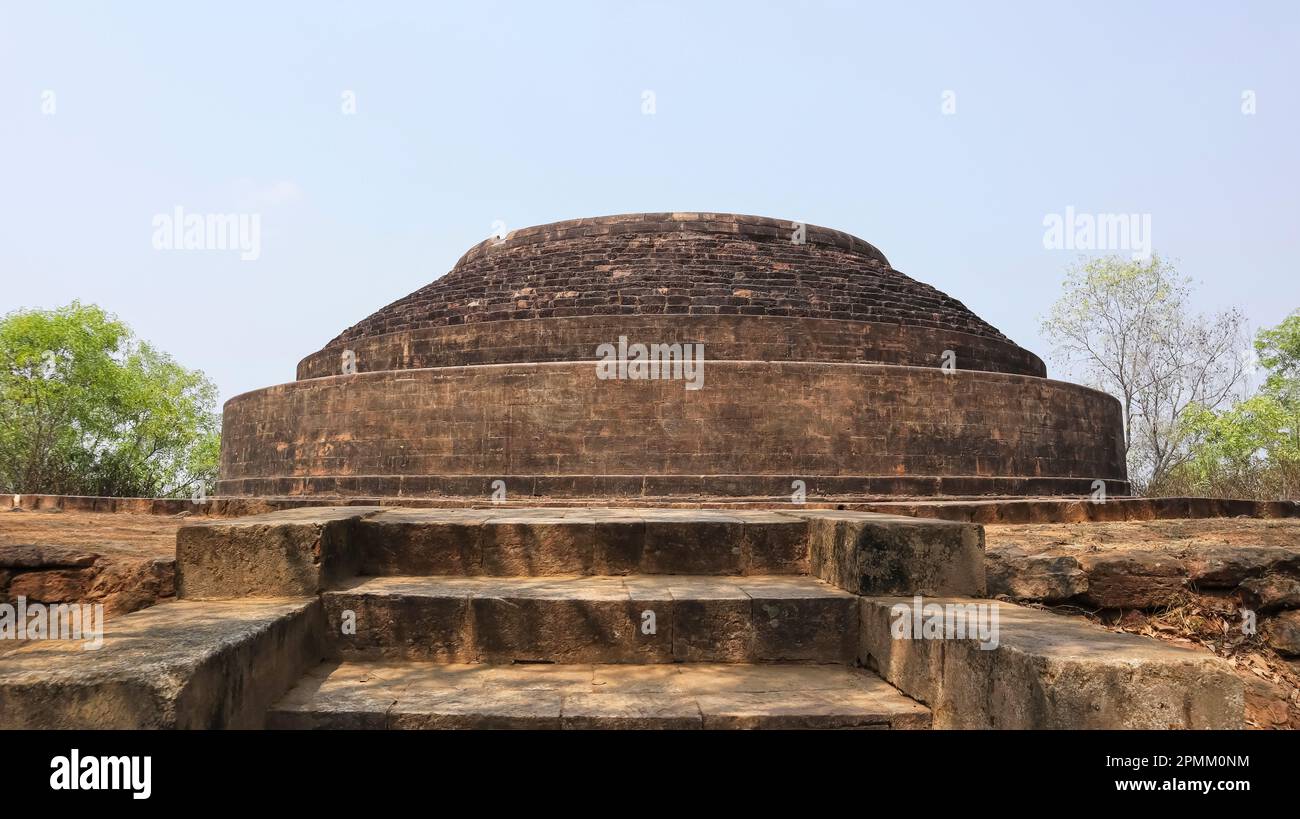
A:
362,434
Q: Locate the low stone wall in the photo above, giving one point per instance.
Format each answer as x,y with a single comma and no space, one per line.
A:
92,503
982,510
1081,510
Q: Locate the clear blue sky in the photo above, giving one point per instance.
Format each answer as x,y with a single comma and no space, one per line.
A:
531,112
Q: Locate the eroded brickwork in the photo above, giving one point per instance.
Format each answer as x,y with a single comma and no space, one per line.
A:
822,364
678,264
725,338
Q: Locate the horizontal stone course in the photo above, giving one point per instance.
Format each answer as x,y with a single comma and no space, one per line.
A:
257,495
838,493
594,619
604,542
380,695
1078,510
725,338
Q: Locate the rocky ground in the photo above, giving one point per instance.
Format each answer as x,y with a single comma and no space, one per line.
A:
124,561
1192,582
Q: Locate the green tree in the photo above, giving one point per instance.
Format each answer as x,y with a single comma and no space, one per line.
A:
1251,449
1124,326
88,409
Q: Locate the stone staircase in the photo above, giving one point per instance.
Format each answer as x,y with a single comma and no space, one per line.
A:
365,617
591,619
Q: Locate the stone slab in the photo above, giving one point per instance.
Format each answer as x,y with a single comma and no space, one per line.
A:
1051,671
555,541
422,541
641,619
279,554
874,554
682,696
1141,564
1045,578
185,664
1132,579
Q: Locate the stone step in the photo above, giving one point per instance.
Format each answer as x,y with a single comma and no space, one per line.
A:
1014,667
634,619
304,551
532,542
413,695
185,664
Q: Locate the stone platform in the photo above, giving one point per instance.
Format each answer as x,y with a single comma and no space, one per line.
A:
396,618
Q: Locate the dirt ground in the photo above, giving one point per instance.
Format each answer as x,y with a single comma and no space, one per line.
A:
1158,535
109,535
124,561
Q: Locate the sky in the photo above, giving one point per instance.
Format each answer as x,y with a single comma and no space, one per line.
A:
376,142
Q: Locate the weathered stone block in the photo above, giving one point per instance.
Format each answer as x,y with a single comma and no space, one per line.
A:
1134,579
533,546
53,586
422,542
1044,578
799,622
1283,633
619,545
774,544
511,629
25,556
868,553
287,553
647,618
187,664
397,621
712,624
1226,567
700,543
1050,671
1271,592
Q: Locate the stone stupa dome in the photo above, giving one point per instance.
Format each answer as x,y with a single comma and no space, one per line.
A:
822,364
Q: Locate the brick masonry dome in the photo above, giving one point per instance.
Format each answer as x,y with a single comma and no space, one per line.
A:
707,275
823,364
675,264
